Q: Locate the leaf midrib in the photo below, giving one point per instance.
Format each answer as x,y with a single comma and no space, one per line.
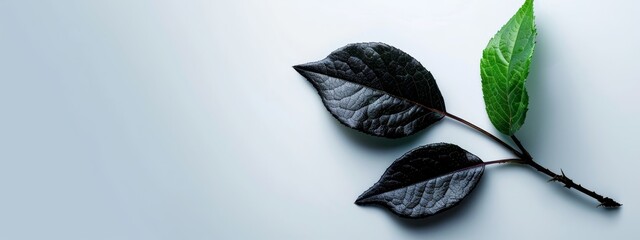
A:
432,109
509,64
481,164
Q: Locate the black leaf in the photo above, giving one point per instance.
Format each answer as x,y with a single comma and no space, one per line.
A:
377,89
426,181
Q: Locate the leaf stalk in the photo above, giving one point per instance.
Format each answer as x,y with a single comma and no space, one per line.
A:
562,178
526,158
475,127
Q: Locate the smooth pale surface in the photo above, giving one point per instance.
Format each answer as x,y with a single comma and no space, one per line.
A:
128,119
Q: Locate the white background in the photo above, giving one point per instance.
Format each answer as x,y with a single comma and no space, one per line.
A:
183,119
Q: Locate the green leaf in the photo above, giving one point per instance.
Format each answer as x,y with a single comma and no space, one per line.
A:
504,68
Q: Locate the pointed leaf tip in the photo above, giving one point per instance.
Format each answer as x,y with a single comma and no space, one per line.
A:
504,68
426,181
376,89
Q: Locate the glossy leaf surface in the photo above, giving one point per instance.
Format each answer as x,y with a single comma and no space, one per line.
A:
426,181
377,89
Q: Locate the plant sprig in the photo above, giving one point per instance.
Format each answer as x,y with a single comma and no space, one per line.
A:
380,90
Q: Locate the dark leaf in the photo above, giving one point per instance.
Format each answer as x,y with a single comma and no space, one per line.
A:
377,89
426,181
